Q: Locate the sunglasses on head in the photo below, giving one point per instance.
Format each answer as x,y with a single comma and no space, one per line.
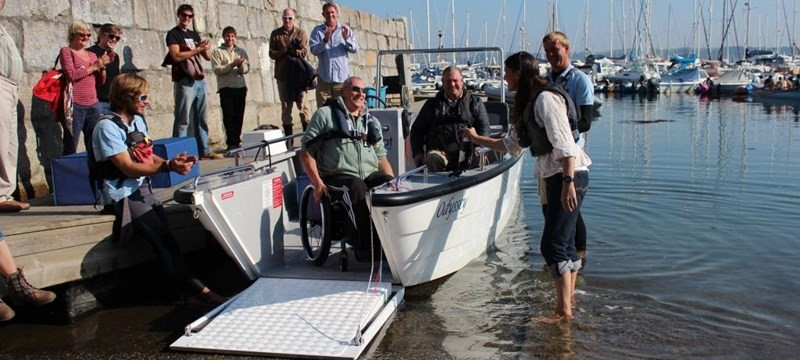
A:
187,15
113,37
357,89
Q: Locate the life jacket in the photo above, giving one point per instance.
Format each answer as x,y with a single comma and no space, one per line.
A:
583,124
534,136
447,124
344,130
140,147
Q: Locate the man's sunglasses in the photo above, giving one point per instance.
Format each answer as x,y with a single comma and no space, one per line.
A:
113,37
358,89
187,15
288,18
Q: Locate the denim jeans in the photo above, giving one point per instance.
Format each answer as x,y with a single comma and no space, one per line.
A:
84,119
190,112
558,236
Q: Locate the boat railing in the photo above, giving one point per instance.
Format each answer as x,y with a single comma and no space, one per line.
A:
406,174
264,150
381,53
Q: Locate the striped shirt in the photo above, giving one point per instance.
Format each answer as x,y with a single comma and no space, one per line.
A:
83,83
10,61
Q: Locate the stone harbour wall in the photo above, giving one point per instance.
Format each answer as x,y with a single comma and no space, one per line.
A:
39,28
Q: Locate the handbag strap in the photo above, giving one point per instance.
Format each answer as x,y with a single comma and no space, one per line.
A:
56,63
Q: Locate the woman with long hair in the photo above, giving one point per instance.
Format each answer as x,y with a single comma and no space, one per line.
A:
540,117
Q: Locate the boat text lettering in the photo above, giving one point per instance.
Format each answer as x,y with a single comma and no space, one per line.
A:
452,206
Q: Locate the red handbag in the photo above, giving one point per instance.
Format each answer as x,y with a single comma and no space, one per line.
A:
50,85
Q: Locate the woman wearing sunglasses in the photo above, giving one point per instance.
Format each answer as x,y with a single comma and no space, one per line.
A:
120,149
108,37
83,69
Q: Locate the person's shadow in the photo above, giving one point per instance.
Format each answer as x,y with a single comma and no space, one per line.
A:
49,142
127,61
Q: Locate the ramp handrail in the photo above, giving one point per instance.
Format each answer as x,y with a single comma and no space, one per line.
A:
264,144
250,166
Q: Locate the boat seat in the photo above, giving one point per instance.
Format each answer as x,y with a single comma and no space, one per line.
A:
498,117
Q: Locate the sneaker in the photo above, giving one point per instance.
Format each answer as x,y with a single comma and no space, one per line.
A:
212,156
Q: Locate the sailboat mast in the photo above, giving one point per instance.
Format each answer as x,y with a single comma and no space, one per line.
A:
505,24
453,15
611,29
428,16
794,23
624,27
586,30
669,23
524,38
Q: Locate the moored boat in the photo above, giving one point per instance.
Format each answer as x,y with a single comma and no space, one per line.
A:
429,224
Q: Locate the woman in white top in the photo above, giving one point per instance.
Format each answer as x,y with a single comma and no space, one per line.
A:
541,122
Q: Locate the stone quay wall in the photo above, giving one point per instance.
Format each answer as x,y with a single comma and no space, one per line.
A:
39,28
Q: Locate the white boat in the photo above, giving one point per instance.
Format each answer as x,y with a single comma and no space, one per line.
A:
683,80
735,82
432,225
429,225
498,90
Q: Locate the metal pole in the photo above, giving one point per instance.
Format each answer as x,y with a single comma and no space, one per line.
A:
453,40
428,13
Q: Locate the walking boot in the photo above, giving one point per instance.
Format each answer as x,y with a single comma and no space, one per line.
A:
20,291
288,130
6,313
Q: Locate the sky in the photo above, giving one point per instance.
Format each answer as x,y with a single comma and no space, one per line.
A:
673,22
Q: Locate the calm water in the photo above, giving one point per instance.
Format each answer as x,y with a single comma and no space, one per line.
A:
692,212
692,216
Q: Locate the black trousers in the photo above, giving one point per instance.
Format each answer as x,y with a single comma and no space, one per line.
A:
149,221
232,101
357,189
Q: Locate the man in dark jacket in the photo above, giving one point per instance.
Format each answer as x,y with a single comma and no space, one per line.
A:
287,43
436,133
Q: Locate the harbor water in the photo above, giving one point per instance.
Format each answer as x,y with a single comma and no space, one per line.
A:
692,216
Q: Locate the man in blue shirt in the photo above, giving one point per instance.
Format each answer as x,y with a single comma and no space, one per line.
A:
332,43
580,89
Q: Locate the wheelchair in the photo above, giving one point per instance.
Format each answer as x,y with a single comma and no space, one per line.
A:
321,223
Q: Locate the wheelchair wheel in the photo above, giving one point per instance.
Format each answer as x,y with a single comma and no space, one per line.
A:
315,227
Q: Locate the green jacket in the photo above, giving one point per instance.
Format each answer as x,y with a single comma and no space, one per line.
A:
340,155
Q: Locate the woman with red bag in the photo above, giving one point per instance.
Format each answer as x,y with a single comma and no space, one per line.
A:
82,69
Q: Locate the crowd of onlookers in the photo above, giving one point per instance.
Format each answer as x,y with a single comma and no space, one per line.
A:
107,108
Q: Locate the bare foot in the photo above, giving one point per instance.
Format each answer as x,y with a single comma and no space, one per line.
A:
552,319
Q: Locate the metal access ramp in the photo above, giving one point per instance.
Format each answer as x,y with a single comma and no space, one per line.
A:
293,309
297,318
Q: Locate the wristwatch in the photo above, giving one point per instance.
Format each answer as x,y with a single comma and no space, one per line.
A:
568,179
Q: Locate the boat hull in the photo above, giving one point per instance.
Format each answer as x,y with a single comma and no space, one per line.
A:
426,239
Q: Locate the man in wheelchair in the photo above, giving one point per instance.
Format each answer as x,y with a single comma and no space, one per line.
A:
343,147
